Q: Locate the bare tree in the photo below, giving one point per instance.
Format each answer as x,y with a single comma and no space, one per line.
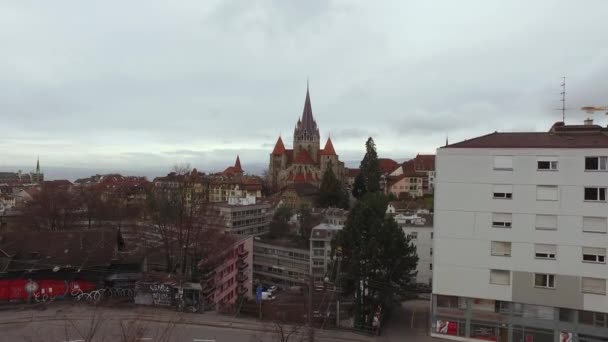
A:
280,331
53,208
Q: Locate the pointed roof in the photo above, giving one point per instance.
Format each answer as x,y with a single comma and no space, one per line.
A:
279,147
308,122
38,165
237,164
328,150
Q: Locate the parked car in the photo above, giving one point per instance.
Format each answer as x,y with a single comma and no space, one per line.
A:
267,296
273,289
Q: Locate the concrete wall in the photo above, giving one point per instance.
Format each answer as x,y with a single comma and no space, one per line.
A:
463,227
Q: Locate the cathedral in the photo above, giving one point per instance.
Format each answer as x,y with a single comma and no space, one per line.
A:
306,162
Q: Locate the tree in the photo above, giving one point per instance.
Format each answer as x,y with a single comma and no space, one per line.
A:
378,260
279,225
52,208
332,192
368,179
184,219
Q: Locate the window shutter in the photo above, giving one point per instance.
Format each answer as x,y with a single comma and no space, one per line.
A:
545,249
501,248
546,221
546,193
500,277
594,285
594,224
594,251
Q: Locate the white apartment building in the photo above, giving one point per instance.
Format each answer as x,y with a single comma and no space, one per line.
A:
419,228
521,236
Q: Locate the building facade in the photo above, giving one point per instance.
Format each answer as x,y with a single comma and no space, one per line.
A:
521,237
280,262
223,284
321,258
306,162
244,216
419,228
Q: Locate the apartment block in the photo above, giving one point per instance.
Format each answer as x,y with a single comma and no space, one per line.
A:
419,228
244,216
280,261
224,283
521,236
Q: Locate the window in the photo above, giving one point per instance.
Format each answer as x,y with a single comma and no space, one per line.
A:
593,285
431,235
595,194
501,248
544,280
431,251
596,163
431,266
546,164
319,252
501,220
503,191
596,255
503,163
413,235
542,251
500,277
546,193
546,222
594,224
318,244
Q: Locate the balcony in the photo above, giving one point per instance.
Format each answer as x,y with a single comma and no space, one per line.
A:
208,289
241,290
241,265
208,275
243,254
241,277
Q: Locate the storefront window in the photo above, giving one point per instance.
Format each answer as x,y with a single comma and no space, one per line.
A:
566,315
597,319
538,311
452,302
484,331
450,326
528,334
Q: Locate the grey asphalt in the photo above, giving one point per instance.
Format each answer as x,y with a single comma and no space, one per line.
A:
74,322
409,322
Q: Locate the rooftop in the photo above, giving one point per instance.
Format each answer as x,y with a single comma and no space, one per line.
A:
559,136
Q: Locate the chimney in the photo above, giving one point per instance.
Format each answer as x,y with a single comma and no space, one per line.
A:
588,122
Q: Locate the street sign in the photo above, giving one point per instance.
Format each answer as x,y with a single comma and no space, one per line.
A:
258,294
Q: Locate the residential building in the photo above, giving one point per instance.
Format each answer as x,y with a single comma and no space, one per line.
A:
425,163
244,216
521,236
321,257
405,180
281,262
230,278
306,162
233,183
299,195
419,228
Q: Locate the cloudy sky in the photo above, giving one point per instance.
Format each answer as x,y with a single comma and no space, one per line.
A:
136,85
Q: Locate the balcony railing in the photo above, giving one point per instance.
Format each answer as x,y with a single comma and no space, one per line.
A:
241,290
241,264
208,275
241,277
243,253
208,289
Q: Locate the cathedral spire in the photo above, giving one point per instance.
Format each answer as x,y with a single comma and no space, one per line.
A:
308,122
237,164
38,165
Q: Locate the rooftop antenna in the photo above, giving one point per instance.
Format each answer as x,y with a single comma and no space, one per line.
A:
563,93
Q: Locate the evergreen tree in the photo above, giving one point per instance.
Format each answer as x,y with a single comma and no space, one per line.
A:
332,192
368,179
378,260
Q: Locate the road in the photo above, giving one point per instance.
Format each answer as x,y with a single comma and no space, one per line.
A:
409,322
76,323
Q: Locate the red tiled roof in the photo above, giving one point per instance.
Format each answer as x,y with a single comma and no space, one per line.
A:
425,162
234,170
303,158
329,148
299,178
561,138
279,147
353,172
387,165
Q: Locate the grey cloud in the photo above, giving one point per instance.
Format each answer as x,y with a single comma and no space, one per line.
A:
154,83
